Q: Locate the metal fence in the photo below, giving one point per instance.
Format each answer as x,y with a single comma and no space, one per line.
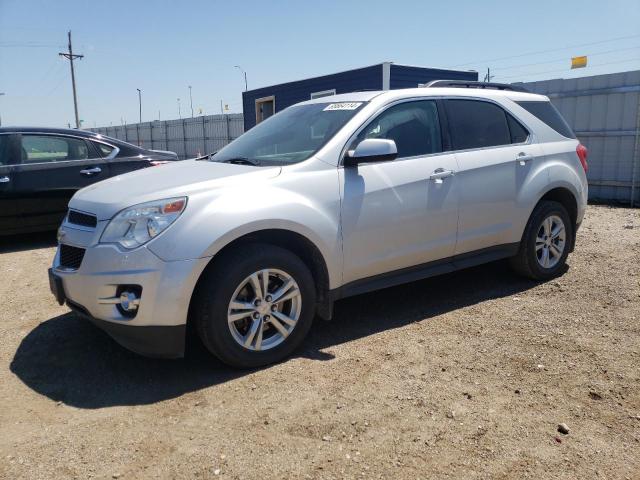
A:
604,111
188,137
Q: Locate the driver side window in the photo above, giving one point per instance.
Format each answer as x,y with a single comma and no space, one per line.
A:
414,126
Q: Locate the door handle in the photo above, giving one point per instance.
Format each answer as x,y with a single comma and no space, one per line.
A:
439,174
5,179
523,158
91,171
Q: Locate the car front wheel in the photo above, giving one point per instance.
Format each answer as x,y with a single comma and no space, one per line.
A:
255,306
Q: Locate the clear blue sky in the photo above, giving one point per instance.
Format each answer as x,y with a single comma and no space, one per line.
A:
164,46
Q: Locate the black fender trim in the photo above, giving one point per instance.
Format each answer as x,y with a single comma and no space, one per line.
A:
425,270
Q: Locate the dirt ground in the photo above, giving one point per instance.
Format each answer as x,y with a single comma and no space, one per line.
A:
462,376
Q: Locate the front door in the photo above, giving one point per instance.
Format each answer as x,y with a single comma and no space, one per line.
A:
401,213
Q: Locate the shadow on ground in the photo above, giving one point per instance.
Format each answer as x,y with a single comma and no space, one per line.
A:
67,359
27,241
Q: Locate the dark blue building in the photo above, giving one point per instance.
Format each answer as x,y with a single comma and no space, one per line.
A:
261,103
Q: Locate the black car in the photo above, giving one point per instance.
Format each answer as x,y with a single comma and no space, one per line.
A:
41,169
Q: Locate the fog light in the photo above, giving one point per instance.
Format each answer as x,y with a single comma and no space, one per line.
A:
129,301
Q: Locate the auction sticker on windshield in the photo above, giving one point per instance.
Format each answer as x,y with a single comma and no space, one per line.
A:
342,106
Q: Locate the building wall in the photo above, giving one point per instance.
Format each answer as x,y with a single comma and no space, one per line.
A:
188,137
603,110
405,76
287,94
367,78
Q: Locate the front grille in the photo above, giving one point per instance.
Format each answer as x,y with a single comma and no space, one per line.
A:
83,219
71,257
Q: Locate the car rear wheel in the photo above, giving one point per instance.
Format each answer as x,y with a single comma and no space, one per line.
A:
546,242
255,306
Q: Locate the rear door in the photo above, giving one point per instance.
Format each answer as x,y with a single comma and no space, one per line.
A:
51,169
494,153
122,158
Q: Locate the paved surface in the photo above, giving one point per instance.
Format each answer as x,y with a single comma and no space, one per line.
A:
462,376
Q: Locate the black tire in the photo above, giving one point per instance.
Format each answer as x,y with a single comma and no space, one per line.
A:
218,285
525,262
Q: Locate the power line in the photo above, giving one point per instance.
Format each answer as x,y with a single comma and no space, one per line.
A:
55,87
565,58
545,51
564,69
28,45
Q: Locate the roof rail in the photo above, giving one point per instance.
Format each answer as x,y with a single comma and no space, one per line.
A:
472,84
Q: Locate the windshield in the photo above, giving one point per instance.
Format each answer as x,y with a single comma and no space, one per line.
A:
290,136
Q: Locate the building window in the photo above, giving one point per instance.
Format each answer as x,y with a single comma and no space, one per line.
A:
324,93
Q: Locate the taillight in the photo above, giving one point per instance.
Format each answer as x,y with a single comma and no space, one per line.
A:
155,163
582,152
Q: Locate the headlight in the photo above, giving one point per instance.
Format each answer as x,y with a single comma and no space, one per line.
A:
135,226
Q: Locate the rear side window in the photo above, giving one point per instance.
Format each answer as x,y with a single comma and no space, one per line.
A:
413,126
547,112
477,124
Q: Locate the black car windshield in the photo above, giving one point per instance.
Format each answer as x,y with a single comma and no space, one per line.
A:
290,136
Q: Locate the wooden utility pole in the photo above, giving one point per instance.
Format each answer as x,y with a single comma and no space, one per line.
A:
71,57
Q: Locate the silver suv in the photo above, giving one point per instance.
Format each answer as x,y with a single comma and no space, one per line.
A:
329,198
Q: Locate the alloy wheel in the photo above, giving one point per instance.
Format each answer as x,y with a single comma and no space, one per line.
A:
550,241
264,309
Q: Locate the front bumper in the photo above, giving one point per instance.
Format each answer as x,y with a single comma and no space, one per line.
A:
151,340
158,326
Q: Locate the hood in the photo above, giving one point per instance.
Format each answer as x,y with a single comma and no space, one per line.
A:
174,179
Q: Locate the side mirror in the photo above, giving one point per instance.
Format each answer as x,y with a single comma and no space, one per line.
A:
371,150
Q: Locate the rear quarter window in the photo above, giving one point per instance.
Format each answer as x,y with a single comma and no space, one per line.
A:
547,113
104,149
519,134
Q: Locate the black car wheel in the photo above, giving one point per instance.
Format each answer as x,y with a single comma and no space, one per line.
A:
546,242
255,305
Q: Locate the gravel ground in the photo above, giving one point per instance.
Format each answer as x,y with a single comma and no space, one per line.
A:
462,376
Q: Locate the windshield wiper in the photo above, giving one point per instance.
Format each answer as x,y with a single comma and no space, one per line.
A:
207,157
241,161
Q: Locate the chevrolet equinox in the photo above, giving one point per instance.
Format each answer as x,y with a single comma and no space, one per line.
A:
329,198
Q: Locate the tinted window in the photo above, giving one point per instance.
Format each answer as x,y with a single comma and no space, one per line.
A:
48,148
414,126
518,133
4,149
546,112
477,124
